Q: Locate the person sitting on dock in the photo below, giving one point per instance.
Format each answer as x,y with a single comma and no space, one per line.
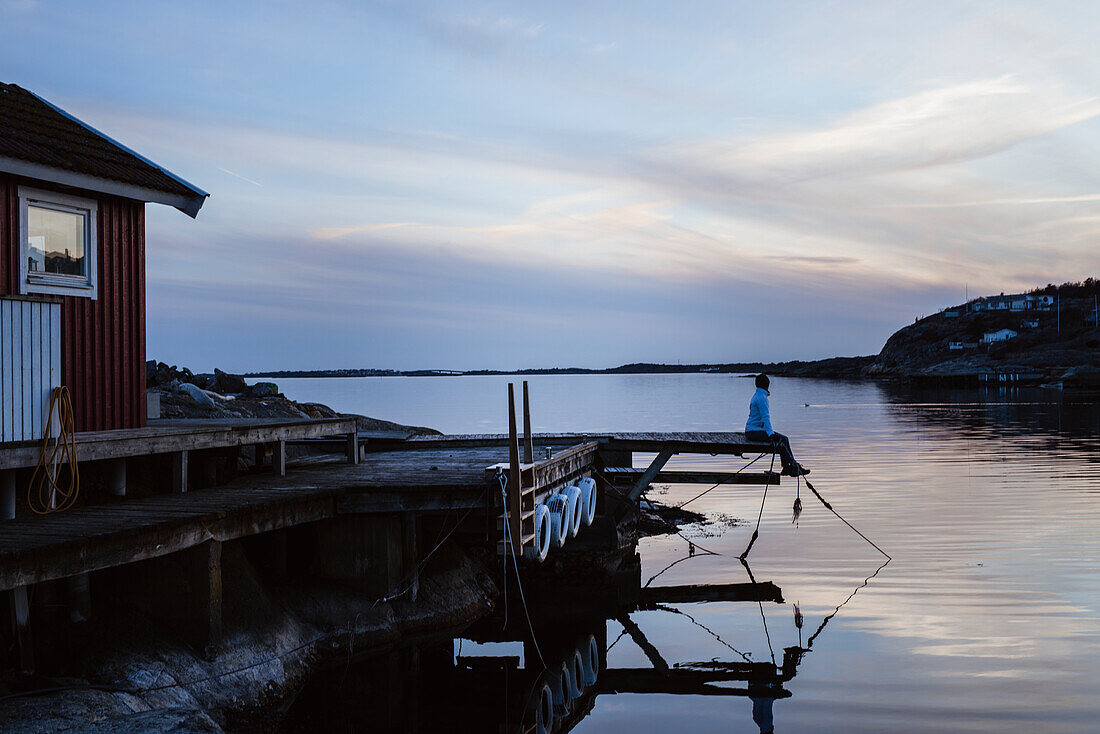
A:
759,428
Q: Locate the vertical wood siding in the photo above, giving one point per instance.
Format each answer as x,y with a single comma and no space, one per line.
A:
30,366
102,341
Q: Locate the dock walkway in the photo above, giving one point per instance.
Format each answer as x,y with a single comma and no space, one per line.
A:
697,442
165,436
41,548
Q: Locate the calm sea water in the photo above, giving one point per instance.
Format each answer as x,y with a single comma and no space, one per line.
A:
986,620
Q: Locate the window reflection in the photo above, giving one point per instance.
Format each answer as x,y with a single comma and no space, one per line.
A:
55,242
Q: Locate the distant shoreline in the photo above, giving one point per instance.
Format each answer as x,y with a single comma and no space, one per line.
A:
833,368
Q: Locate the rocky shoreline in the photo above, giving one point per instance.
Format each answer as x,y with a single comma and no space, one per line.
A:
183,394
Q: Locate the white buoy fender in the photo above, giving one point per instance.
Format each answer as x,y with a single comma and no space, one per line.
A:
590,652
542,535
559,684
573,494
544,711
576,669
560,518
588,499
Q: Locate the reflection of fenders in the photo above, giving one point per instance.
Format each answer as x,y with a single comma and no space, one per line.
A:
563,694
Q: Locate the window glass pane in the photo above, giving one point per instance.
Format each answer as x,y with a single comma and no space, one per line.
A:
56,242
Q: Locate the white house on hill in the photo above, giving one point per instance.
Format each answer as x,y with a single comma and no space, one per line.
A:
1017,302
1000,335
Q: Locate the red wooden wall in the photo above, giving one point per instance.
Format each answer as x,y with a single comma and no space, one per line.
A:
102,341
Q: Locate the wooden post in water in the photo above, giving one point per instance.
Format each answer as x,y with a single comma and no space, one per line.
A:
179,471
20,606
528,441
7,494
515,490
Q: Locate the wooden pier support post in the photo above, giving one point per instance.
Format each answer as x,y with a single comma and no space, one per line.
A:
515,488
78,590
410,559
21,620
364,552
353,447
20,604
7,495
116,477
528,441
207,469
205,583
278,458
179,471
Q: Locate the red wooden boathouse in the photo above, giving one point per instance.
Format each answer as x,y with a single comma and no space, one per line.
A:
72,266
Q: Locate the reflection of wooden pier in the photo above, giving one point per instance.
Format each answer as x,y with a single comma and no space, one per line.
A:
538,704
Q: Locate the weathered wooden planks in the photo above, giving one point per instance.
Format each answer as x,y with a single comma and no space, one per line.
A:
699,442
171,436
687,476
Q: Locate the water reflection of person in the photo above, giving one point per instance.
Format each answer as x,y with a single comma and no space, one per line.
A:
758,428
762,713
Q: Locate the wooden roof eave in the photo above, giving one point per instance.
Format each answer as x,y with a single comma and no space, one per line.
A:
189,205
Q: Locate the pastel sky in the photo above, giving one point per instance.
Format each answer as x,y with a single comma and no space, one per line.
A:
502,184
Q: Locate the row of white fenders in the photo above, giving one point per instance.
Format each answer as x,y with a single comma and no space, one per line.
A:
561,517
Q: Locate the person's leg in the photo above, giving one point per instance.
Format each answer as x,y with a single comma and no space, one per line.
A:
785,456
783,446
791,467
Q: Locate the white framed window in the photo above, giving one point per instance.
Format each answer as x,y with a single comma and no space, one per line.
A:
57,243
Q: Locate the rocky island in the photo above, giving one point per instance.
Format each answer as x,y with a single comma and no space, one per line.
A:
1048,336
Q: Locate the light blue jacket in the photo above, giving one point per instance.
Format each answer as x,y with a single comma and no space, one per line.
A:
759,416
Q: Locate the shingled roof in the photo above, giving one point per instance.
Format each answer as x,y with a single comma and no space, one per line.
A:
40,140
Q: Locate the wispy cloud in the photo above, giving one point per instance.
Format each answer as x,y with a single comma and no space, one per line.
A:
937,127
1005,202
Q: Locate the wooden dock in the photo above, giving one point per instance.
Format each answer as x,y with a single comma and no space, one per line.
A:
366,507
420,475
693,442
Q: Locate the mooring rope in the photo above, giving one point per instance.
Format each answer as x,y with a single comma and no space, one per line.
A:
760,515
746,656
515,563
726,479
810,642
767,636
853,527
502,480
654,576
